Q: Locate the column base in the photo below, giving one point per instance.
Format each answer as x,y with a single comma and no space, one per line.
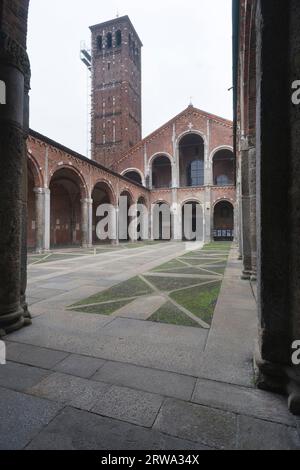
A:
246,276
26,314
280,379
12,322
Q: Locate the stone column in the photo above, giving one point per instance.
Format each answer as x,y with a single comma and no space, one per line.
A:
278,196
42,203
207,216
24,202
252,201
174,182
208,172
15,72
90,228
294,199
85,223
47,218
117,212
176,221
245,207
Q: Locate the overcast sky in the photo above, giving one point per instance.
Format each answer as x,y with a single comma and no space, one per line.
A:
187,52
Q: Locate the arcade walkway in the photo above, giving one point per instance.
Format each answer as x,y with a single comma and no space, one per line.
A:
84,381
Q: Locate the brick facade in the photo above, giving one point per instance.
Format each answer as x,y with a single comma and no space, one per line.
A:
116,89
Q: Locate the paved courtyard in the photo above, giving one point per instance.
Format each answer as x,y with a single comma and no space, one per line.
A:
118,373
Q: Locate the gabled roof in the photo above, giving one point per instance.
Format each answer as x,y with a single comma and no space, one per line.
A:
189,110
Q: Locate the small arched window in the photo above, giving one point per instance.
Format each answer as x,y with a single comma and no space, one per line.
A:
118,38
196,173
223,180
109,41
99,43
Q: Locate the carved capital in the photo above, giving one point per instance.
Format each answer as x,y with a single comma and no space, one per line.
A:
15,55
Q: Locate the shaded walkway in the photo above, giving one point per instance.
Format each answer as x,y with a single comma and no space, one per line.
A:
82,381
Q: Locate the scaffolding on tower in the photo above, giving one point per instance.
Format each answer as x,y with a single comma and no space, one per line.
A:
86,58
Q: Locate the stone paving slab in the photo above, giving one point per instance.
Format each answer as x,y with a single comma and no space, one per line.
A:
162,347
64,299
298,426
19,377
42,293
80,366
64,285
31,301
149,361
149,380
141,308
22,417
255,434
126,404
228,355
156,332
256,403
197,423
62,324
33,356
78,430
69,390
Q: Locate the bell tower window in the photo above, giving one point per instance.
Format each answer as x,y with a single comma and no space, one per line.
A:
109,41
118,38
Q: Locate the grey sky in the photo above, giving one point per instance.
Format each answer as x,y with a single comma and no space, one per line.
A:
187,52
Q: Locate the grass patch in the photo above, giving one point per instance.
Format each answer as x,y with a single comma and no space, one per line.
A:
195,254
103,309
194,261
214,269
226,246
171,315
168,284
169,265
139,244
58,257
201,300
134,287
185,270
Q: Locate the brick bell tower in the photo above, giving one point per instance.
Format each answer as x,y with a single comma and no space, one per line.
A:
116,90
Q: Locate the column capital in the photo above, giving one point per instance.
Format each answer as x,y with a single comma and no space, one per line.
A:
86,201
41,191
15,55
